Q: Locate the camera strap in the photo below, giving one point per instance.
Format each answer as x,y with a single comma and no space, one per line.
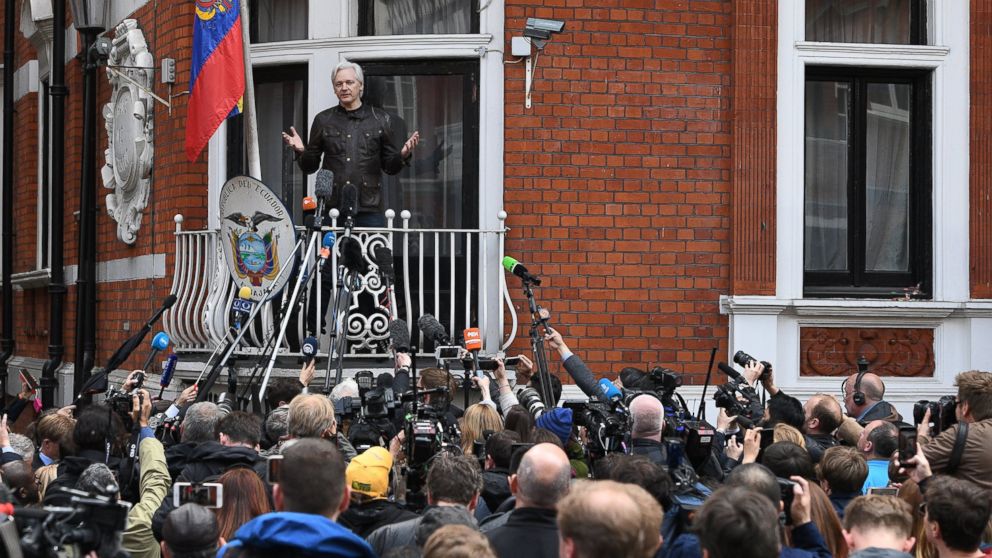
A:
959,443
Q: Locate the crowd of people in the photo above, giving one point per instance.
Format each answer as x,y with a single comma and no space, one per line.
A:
318,476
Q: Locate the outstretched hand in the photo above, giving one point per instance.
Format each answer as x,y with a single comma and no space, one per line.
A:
293,140
407,147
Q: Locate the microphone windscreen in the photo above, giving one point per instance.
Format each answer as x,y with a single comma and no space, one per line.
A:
309,349
160,341
509,263
352,257
631,377
384,259
364,379
309,204
608,389
399,336
328,240
324,184
473,339
168,370
349,200
384,380
169,301
244,292
433,330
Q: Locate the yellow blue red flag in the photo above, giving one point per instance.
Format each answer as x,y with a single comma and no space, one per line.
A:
217,75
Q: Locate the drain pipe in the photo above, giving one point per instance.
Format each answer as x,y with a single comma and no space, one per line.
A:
7,198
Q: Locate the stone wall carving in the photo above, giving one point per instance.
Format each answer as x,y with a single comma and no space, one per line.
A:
834,351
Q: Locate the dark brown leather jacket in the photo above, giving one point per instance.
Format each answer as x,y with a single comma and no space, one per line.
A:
357,146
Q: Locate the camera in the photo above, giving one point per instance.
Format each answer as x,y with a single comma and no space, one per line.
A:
207,494
744,360
531,400
608,430
347,407
541,29
91,523
942,413
728,397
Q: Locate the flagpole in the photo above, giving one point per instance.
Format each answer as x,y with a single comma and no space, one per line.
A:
248,108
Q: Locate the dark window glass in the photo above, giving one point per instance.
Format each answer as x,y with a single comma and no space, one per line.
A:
44,200
281,101
867,182
866,21
278,20
417,17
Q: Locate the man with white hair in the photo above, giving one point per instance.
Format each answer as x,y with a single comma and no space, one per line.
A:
356,143
648,424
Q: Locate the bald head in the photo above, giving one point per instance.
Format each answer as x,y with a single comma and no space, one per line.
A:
648,417
823,414
542,478
871,385
879,440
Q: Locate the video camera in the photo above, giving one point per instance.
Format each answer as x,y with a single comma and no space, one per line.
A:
92,523
943,413
738,398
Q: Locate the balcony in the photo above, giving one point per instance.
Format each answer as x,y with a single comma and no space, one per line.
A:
454,274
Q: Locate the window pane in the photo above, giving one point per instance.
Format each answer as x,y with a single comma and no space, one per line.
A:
417,17
862,21
826,175
278,20
887,177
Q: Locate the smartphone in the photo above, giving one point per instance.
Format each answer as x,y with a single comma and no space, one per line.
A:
907,443
884,490
208,494
488,364
28,379
272,470
448,353
786,488
767,437
511,361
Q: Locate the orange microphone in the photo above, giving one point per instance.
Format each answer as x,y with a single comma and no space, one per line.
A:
473,344
309,204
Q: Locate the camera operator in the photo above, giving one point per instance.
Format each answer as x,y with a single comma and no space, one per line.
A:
646,431
310,496
866,407
577,369
312,416
191,531
972,433
97,427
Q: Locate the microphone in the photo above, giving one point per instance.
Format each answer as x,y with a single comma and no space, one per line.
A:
473,344
167,371
408,396
309,349
352,257
733,374
399,336
326,245
609,390
514,267
159,342
384,259
433,330
349,199
241,306
309,204
323,188
384,381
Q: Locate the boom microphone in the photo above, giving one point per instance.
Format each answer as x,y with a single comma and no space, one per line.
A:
433,330
399,336
323,189
514,267
473,344
326,245
729,371
349,200
384,260
609,390
241,306
352,257
167,371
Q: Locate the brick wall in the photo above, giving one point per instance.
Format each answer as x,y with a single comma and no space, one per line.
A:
618,179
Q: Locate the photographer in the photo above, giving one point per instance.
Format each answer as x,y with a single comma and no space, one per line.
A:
972,434
154,482
369,476
97,429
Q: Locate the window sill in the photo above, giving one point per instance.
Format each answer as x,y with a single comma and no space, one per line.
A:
871,50
855,308
31,279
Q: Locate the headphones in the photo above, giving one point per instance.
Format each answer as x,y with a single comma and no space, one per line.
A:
859,396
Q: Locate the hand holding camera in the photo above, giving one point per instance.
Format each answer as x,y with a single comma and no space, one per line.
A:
752,445
801,509
141,407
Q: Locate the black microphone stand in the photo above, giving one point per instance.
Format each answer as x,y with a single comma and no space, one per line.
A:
701,414
539,318
347,282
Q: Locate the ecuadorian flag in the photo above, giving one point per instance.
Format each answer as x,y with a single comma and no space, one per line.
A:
217,76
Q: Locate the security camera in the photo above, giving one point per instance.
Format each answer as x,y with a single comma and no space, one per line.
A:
541,29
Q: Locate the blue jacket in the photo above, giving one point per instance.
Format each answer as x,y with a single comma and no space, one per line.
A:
298,534
806,539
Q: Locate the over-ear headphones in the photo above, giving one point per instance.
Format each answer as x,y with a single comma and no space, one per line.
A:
859,396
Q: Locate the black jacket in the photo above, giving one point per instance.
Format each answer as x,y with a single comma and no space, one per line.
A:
495,487
177,457
881,411
818,444
357,146
362,519
652,449
528,533
582,376
68,474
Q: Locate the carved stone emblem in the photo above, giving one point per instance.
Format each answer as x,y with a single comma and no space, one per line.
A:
130,127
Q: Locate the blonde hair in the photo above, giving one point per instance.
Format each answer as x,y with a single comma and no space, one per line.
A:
630,524
477,419
310,416
44,476
786,433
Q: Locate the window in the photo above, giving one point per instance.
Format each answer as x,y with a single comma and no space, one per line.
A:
866,21
277,20
281,102
867,182
417,17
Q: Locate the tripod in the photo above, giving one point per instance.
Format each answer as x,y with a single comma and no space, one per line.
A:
539,318
347,283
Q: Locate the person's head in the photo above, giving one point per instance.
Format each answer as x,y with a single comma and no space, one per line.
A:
98,479
453,480
477,419
52,433
441,516
239,428
607,518
879,440
311,416
368,474
736,522
823,414
281,391
784,409
347,388
277,424
545,436
200,423
245,498
312,479
19,477
190,531
348,81
542,478
499,449
786,459
957,513
974,395
757,478
648,416
94,427
880,522
557,421
871,388
843,470
458,541
432,378
519,420
537,383
640,471
22,445
784,433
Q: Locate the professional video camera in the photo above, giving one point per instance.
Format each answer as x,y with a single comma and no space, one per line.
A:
92,523
608,427
121,402
942,413
737,397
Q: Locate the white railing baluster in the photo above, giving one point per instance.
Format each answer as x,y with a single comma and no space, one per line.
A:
468,278
452,258
411,320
